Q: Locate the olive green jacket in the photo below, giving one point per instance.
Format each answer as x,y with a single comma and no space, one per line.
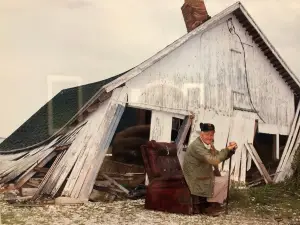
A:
198,167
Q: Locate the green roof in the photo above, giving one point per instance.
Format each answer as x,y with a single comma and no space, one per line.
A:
64,106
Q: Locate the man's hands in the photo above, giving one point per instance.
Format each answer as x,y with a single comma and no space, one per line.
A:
232,146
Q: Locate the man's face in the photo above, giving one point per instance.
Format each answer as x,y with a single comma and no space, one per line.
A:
207,137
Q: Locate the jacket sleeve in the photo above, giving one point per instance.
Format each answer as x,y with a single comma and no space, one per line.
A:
206,156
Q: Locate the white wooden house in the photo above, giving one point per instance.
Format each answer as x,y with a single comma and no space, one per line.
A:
225,71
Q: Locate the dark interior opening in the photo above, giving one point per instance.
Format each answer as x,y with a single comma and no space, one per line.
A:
265,145
133,131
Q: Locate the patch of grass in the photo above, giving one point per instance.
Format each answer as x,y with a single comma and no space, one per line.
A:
273,199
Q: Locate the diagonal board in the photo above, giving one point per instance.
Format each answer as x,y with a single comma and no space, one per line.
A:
43,185
65,165
259,164
108,130
289,146
287,169
182,136
31,172
83,176
29,161
81,146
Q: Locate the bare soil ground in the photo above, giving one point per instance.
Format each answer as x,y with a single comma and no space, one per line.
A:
128,212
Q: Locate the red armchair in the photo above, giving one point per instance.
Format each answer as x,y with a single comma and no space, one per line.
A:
167,190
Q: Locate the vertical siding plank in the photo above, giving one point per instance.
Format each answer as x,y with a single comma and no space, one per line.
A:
243,165
161,126
241,131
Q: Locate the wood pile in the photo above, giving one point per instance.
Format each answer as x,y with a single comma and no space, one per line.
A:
68,165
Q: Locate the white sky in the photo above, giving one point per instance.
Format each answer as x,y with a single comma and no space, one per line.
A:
95,39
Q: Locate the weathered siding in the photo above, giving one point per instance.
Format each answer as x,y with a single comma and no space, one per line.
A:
208,72
270,94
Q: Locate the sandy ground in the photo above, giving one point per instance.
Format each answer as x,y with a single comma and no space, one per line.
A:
120,212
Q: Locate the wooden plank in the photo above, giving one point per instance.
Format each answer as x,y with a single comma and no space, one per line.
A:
7,168
59,168
31,160
30,172
41,169
287,152
28,191
86,154
11,157
287,169
43,185
273,129
287,146
161,126
75,153
182,136
89,181
243,165
62,147
237,163
98,146
259,164
115,183
249,161
241,131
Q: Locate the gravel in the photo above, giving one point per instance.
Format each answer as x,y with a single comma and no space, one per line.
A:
120,212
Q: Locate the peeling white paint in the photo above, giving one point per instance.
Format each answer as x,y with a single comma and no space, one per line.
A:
205,72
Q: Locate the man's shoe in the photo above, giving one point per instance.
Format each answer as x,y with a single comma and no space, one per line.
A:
211,211
217,207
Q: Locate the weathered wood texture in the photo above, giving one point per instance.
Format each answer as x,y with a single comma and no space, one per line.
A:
44,185
31,171
241,131
204,71
161,126
77,153
59,171
83,176
182,134
290,147
27,162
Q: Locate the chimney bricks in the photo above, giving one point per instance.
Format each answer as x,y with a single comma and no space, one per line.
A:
194,13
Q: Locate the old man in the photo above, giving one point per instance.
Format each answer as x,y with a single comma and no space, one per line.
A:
200,170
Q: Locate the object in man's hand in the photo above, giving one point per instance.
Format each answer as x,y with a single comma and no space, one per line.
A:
217,172
231,153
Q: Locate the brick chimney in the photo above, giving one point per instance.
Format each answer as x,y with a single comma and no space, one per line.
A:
194,13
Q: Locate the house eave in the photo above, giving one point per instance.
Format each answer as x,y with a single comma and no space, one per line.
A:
239,11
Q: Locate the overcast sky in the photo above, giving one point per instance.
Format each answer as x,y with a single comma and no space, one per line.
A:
89,40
